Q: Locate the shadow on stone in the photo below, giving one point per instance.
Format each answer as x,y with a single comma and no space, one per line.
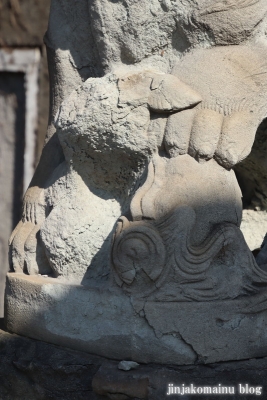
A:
34,370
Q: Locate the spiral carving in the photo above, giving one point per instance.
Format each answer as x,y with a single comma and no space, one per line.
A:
137,247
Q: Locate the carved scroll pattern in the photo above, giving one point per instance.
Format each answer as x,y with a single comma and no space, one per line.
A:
138,247
151,255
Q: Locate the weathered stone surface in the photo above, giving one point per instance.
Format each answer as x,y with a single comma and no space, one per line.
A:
43,104
134,211
106,322
237,94
34,370
254,227
109,117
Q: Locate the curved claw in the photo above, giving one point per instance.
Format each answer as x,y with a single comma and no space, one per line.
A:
23,230
13,234
33,205
35,260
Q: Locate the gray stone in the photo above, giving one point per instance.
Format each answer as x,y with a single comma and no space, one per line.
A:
34,370
97,320
134,212
254,227
127,365
107,322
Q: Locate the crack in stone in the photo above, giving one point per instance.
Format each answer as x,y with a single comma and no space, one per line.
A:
190,345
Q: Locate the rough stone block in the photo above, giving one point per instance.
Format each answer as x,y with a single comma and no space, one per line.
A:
111,324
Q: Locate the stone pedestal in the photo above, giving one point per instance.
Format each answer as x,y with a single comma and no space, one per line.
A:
107,322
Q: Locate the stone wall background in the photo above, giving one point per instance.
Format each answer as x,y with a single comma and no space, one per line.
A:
23,24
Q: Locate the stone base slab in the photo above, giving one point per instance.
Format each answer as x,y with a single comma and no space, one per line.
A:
108,323
35,370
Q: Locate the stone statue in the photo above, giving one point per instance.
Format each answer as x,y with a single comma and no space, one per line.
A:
153,103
